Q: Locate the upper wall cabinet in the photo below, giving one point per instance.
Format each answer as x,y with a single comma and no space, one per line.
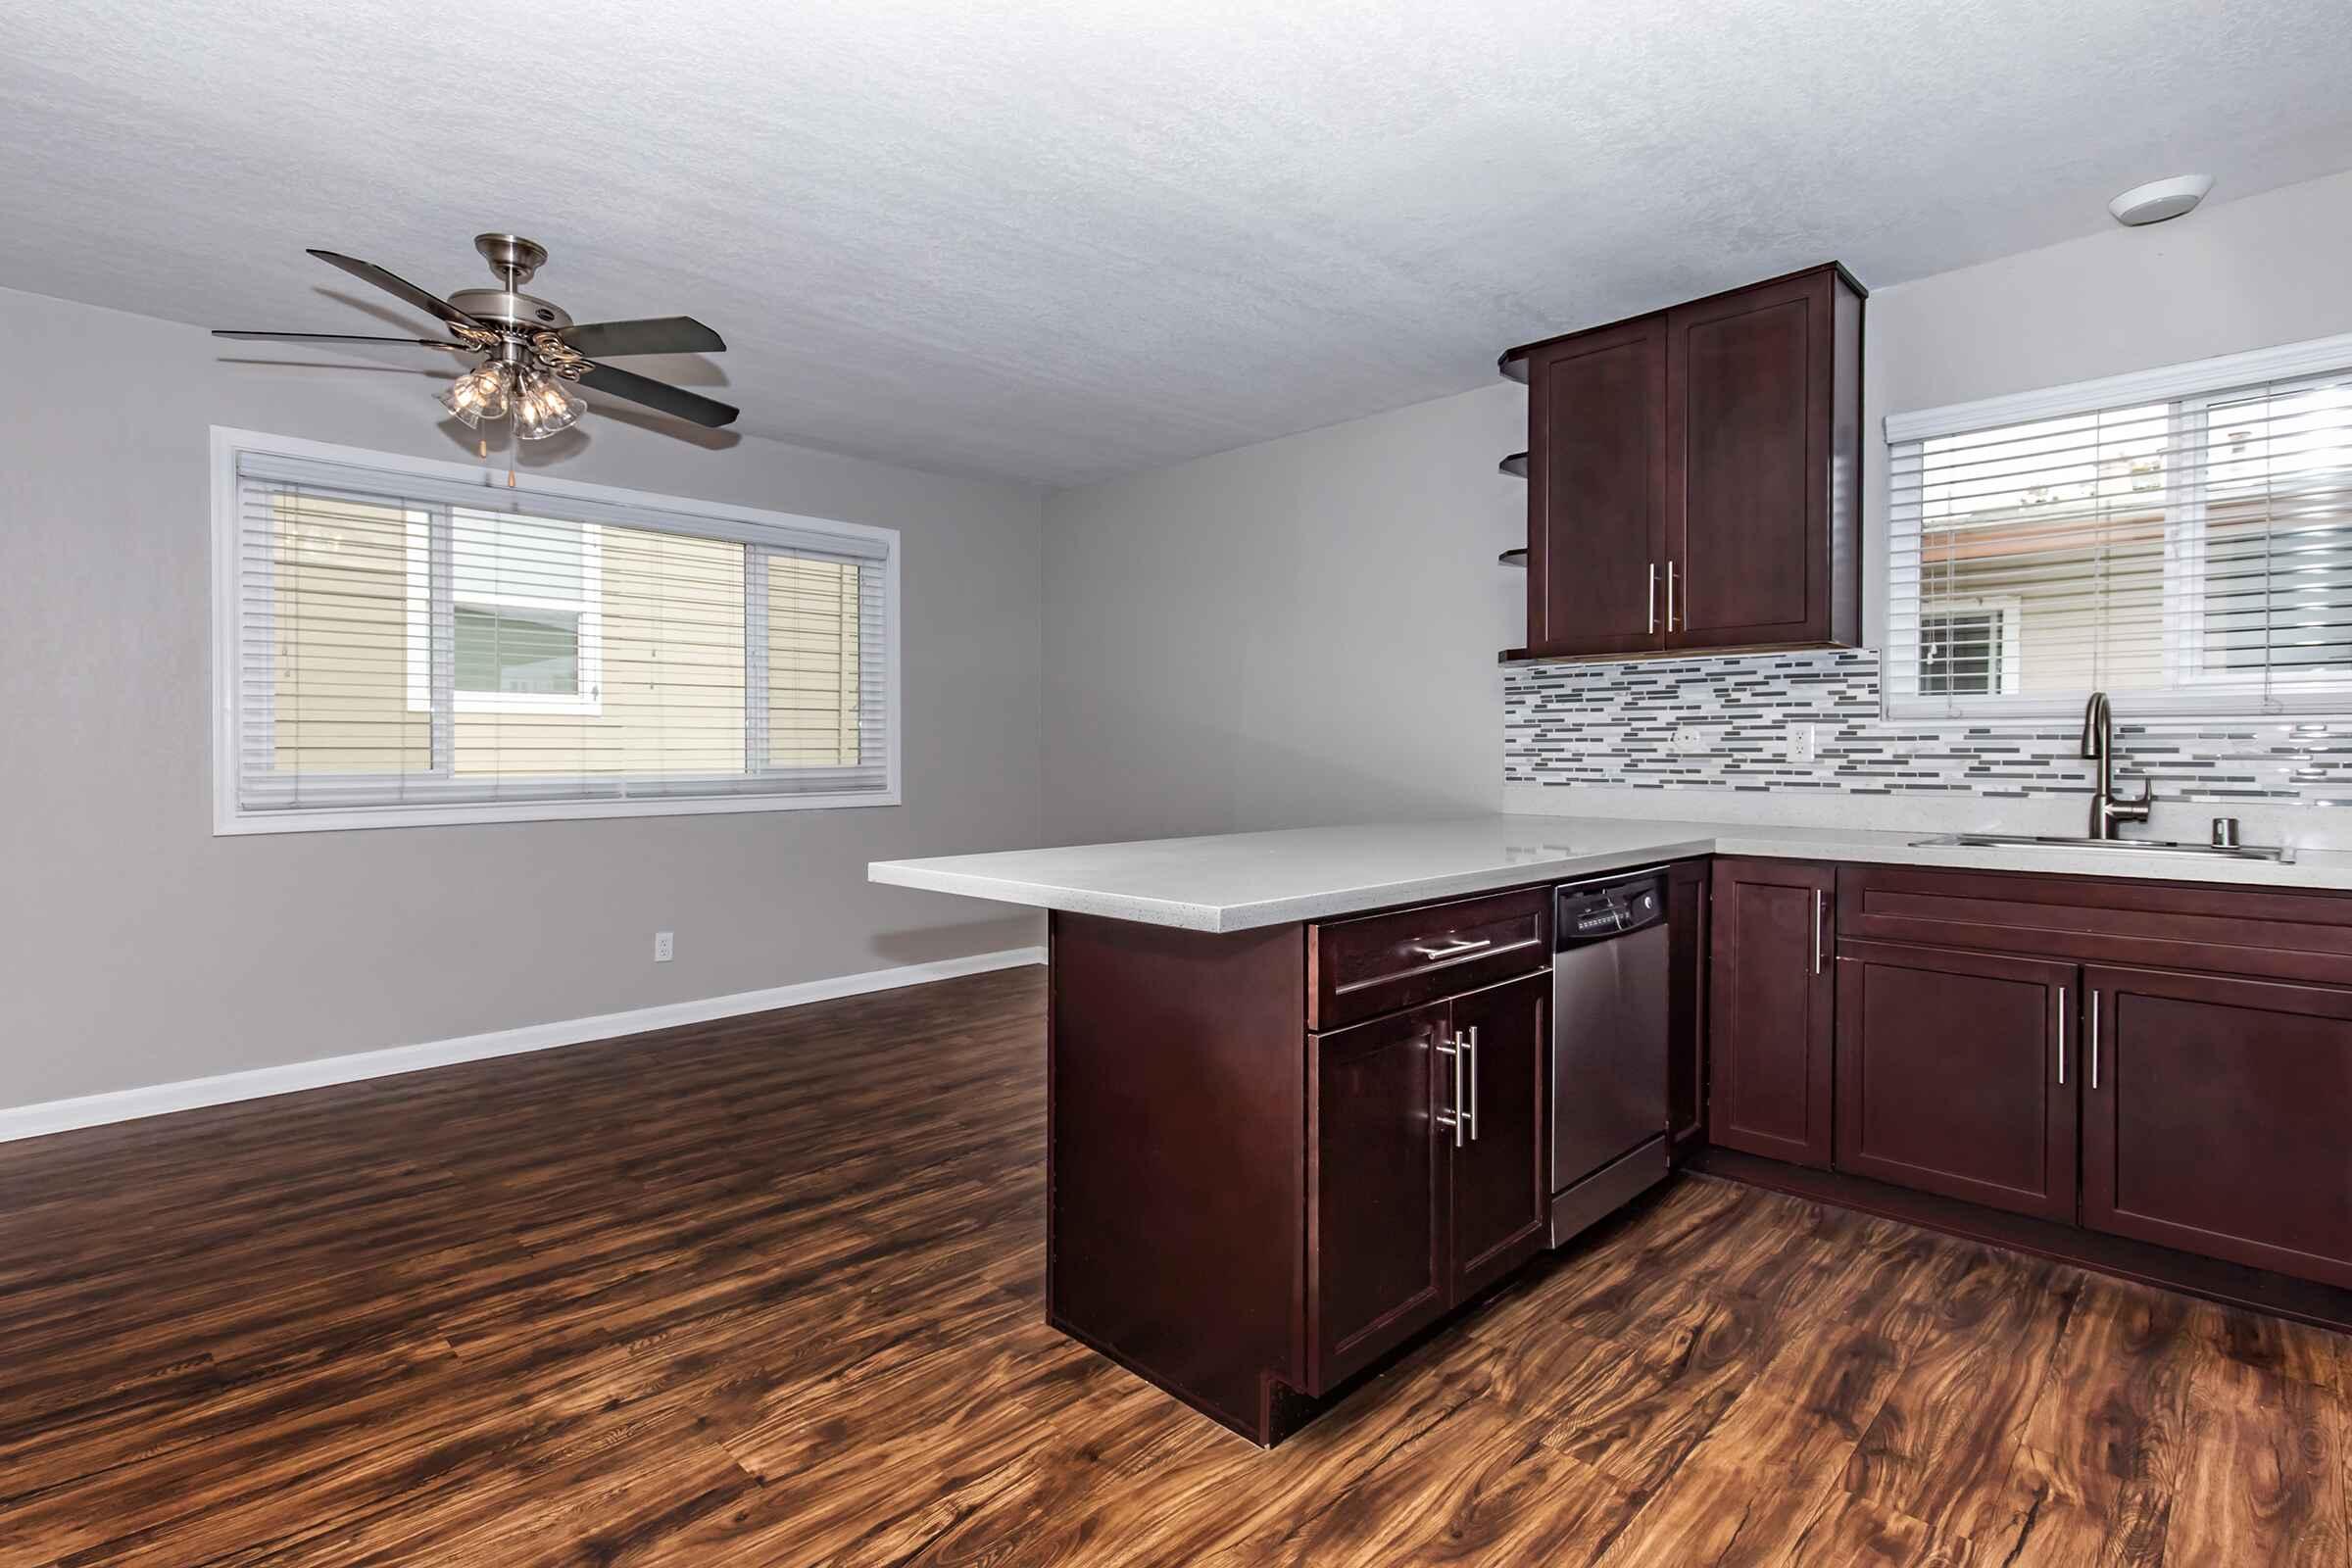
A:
1693,476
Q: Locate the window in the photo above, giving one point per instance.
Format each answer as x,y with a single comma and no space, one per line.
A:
1967,649
524,613
403,642
2180,539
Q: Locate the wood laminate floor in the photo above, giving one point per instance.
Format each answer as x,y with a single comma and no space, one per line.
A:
768,1292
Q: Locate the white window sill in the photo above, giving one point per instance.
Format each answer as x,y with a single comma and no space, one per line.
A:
334,819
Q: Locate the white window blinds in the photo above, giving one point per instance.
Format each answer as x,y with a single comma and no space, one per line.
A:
412,645
2182,540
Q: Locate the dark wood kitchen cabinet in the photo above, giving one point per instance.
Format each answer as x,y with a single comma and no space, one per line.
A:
2217,1117
1695,476
1498,1181
2148,1077
1687,1001
1376,1231
1597,490
1427,1157
1954,1074
1254,1183
1769,1008
1763,503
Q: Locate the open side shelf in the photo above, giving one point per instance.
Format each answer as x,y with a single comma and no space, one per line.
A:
1515,465
1513,558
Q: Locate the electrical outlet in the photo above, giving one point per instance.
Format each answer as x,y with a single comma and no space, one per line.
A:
664,949
1803,746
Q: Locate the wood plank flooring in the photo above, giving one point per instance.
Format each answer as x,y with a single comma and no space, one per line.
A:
768,1292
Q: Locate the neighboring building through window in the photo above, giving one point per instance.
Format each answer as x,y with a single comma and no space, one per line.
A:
521,605
2182,544
403,642
1968,650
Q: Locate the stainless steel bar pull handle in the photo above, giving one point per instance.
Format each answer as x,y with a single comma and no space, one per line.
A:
1469,1048
1821,901
1653,596
1670,596
2062,1037
1454,1118
1455,947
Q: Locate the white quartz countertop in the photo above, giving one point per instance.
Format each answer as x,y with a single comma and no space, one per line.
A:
1239,881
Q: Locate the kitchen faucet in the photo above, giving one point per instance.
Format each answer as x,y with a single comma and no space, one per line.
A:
2098,744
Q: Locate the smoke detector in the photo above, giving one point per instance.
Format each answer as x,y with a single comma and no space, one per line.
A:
2160,199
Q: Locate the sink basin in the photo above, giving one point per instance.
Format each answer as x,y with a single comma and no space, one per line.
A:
2021,841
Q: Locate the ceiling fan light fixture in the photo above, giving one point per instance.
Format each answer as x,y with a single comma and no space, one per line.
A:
477,395
528,350
543,407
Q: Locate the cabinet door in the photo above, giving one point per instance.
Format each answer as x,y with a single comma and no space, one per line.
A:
1377,1251
1685,998
2217,1117
1747,515
1597,483
1954,1074
1769,994
1498,1181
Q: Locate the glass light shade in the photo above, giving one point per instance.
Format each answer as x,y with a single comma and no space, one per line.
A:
477,395
543,405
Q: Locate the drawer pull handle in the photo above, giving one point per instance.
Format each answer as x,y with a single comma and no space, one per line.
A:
1454,949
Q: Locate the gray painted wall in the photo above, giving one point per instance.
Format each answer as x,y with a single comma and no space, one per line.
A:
1304,631
2230,277
135,948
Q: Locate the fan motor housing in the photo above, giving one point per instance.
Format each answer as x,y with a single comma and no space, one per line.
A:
519,313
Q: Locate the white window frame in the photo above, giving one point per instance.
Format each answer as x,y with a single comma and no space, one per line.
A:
231,817
588,701
2191,389
2184,630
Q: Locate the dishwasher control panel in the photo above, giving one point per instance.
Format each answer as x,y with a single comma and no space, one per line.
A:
1594,911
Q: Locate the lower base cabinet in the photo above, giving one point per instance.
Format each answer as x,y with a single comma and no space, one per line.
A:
1427,1161
2217,1117
1376,1228
1954,1074
2166,1062
1274,1156
1686,907
1769,994
1498,1181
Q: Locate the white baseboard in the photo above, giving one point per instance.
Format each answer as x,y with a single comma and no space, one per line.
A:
157,1100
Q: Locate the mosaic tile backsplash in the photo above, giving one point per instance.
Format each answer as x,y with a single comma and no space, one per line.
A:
1614,726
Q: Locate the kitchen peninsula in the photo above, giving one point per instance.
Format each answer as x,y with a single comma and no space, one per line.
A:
1298,1080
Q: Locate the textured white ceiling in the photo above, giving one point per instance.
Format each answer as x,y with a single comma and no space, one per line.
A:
1064,240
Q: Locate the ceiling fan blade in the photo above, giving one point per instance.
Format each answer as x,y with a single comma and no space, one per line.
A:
391,283
703,411
663,334
340,337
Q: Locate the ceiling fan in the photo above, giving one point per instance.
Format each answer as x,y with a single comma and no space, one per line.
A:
529,348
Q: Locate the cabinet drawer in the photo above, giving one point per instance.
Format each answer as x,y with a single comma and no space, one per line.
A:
2276,935
1380,963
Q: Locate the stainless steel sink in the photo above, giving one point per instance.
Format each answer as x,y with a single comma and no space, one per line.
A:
2021,841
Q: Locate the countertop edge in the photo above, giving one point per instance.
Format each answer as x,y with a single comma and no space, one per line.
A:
1677,842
